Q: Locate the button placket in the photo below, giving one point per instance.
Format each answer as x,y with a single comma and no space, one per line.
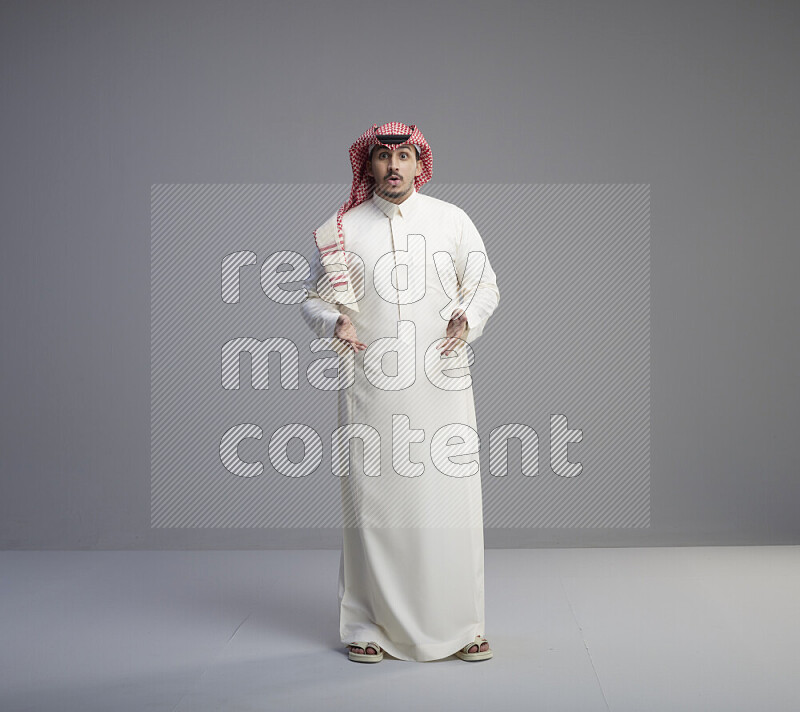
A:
397,226
395,223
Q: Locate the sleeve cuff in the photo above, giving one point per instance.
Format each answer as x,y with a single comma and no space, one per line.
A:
329,324
474,325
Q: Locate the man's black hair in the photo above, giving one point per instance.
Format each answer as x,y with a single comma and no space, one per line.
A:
416,150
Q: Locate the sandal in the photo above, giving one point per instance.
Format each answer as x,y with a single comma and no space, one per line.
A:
365,657
464,653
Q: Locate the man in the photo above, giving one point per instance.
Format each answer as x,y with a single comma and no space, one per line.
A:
404,278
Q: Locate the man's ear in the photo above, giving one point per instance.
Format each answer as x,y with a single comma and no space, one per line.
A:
368,167
419,168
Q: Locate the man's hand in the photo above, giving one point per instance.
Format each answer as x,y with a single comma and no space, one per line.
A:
455,331
346,331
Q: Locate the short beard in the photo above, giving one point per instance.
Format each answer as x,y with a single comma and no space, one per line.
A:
387,193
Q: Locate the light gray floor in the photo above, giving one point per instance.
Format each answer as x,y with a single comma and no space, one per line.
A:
652,629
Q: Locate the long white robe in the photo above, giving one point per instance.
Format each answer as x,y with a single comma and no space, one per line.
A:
411,574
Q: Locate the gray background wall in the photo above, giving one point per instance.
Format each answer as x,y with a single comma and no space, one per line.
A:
101,100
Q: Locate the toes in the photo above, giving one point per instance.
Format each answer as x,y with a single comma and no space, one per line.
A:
360,651
474,648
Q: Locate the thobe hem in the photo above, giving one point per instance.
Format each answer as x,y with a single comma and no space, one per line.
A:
411,652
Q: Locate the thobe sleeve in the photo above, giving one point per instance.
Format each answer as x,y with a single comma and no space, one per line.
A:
478,291
320,315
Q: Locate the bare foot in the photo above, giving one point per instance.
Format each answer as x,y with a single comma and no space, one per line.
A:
356,649
474,648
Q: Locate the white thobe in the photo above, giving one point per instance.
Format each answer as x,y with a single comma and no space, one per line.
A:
411,574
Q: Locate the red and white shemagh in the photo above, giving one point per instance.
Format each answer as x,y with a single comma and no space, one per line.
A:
330,237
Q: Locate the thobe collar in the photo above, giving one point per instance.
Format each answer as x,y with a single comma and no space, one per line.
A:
390,210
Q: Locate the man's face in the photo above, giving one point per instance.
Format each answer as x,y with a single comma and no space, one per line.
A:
394,171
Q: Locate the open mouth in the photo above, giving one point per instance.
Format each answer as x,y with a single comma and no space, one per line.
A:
394,180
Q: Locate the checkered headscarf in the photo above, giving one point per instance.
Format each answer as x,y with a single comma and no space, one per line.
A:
330,237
